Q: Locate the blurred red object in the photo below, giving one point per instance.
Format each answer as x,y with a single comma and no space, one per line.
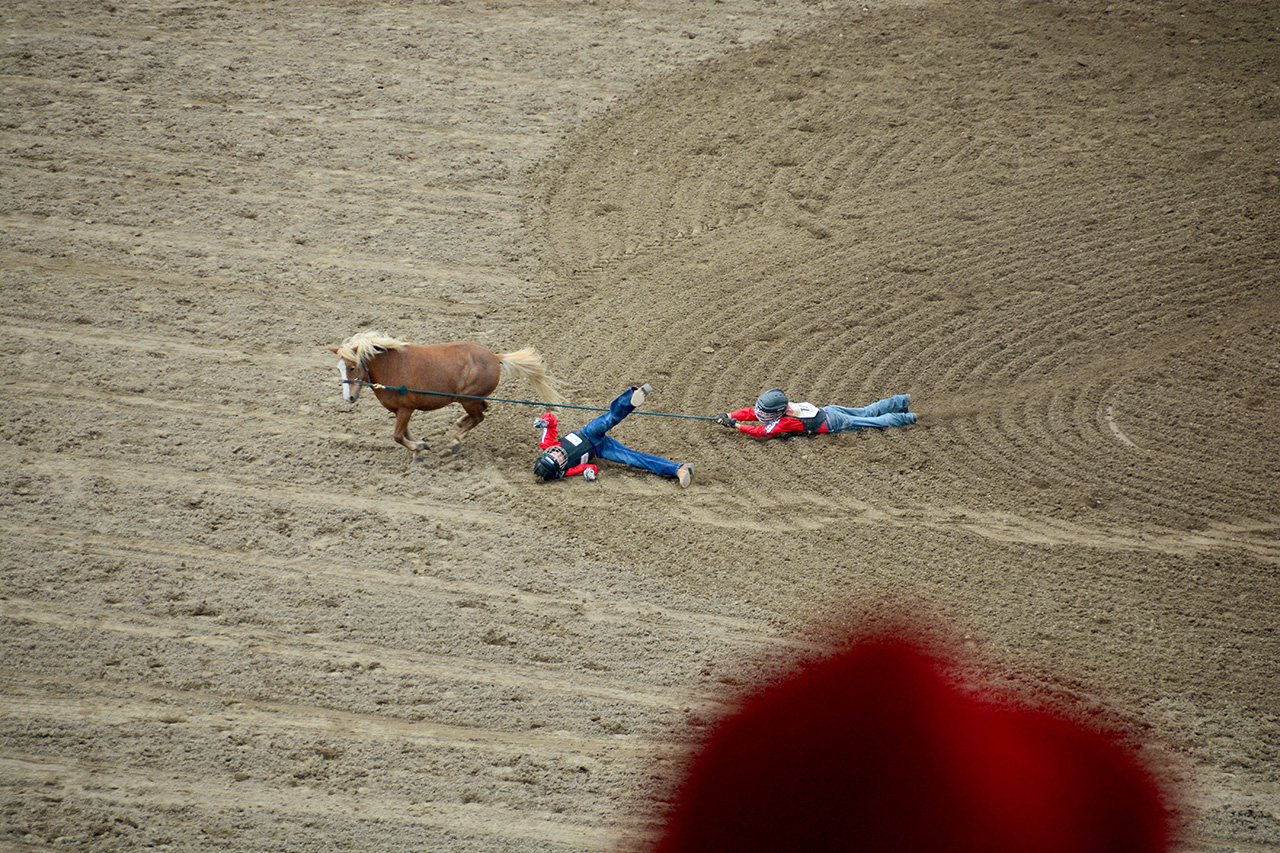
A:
876,750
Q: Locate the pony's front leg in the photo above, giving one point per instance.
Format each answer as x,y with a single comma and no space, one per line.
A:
402,431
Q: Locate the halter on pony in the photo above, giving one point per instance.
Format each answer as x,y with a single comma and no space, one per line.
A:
357,352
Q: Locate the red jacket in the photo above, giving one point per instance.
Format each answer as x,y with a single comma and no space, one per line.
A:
785,425
551,438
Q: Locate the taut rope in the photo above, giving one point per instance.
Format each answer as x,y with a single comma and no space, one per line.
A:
401,389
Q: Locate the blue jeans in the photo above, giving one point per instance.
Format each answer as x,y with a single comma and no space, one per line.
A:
890,412
614,450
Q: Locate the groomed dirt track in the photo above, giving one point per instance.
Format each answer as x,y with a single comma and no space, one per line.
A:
234,615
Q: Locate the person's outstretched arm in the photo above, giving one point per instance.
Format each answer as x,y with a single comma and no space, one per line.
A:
743,421
550,427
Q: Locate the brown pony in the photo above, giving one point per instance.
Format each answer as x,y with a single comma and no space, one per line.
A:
457,368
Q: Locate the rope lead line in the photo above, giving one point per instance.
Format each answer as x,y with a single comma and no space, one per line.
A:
402,389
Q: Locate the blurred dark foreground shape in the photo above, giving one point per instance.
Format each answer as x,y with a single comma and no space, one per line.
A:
876,749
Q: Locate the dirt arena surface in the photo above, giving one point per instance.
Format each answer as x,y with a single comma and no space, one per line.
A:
235,615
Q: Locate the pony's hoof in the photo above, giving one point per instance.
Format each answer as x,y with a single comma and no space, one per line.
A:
453,448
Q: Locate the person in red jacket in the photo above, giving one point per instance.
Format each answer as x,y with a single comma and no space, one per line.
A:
776,416
572,453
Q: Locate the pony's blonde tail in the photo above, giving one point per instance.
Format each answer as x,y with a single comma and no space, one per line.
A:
527,363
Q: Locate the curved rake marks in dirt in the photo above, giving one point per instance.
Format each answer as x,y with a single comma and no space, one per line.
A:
1051,430
1063,323
1077,427
713,194
1053,441
1054,367
847,360
1109,415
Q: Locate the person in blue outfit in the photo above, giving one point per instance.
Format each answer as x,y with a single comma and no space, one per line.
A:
572,453
774,416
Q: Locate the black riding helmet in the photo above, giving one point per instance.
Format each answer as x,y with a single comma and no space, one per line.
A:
550,465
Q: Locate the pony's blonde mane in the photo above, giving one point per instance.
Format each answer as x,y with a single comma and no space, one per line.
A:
361,347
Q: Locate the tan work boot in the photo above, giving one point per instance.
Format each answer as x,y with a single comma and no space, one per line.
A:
685,475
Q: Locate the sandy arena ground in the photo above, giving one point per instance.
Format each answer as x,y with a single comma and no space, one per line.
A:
234,615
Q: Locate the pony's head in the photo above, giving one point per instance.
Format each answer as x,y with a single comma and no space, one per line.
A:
349,373
354,357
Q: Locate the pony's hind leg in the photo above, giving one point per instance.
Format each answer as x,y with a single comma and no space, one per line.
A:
474,415
402,431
